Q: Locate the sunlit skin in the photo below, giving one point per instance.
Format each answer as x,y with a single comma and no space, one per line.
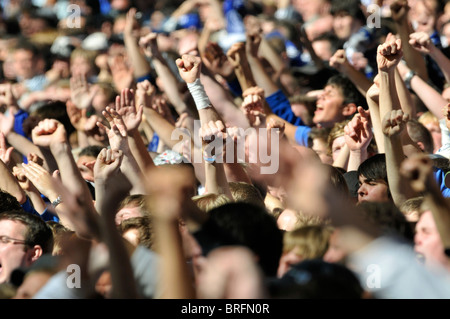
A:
372,190
329,107
428,243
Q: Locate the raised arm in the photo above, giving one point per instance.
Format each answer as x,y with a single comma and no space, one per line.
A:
118,140
51,134
399,10
111,186
140,66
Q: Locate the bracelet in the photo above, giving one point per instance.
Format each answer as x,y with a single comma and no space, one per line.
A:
408,78
210,160
57,201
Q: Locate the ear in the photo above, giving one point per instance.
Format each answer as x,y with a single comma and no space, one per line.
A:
349,109
33,254
421,146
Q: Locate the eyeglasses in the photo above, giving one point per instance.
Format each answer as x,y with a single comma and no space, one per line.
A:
6,240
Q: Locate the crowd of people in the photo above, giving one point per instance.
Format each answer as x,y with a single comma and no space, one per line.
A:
207,149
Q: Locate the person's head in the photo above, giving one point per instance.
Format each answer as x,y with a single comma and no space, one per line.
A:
445,32
319,141
24,238
247,193
428,242
86,161
388,218
308,242
138,231
431,122
325,45
337,102
206,202
82,63
303,107
247,225
8,202
336,139
335,253
105,97
317,279
26,60
60,233
373,181
411,208
348,17
420,135
132,206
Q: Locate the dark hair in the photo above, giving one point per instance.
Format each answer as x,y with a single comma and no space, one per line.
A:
8,202
387,216
26,45
38,232
419,133
247,225
91,150
348,90
335,42
144,226
374,167
348,7
317,279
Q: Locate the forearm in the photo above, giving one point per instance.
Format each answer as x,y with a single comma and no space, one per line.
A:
406,102
429,96
440,210
36,199
139,150
361,82
376,123
175,280
215,180
355,159
138,60
224,107
343,158
235,172
131,170
170,84
413,58
400,190
123,284
261,77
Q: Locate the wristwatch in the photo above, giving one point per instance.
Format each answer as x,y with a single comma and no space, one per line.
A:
408,78
57,201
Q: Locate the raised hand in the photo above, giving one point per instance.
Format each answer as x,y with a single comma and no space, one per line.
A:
213,135
150,45
252,106
399,10
145,93
41,179
252,44
117,134
5,152
7,121
121,72
394,122
389,55
215,60
339,61
125,106
358,132
131,24
421,42
48,132
107,165
81,93
236,54
189,67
